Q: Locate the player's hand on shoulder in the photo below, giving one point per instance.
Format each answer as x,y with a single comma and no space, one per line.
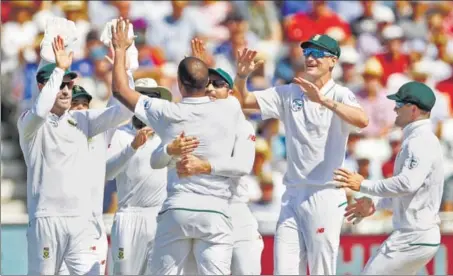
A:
141,137
182,145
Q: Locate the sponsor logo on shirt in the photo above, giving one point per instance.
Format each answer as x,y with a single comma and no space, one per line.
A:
297,105
45,253
120,253
412,163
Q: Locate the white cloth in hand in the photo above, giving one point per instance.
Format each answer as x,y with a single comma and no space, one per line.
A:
132,52
58,26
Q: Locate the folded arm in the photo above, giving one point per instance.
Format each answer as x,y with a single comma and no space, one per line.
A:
117,162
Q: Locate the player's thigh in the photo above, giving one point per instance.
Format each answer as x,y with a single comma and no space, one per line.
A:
102,245
63,269
82,256
289,246
247,257
212,258
321,217
128,244
150,235
172,245
47,240
407,262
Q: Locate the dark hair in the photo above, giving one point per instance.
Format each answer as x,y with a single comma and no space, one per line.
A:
193,74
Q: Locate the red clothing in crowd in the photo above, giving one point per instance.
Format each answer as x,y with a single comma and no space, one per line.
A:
446,88
392,65
387,167
302,26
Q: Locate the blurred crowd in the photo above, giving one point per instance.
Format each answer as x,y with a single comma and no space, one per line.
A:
384,44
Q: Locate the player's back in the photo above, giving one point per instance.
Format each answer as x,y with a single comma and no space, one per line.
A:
214,123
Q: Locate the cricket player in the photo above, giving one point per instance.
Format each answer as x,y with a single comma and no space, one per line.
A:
413,194
141,190
54,142
194,217
318,115
248,243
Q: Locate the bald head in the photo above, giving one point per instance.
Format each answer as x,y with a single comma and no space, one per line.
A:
193,74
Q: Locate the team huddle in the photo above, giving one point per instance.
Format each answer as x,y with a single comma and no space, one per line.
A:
182,204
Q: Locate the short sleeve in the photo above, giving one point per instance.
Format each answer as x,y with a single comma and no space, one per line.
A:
348,98
271,101
150,111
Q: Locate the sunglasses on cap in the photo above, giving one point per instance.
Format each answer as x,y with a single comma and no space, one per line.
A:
218,83
316,53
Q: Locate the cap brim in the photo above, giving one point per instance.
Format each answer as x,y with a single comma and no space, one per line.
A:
307,44
88,96
164,92
214,71
394,97
72,75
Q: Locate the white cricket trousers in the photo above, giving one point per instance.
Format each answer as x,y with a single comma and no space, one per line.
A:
308,231
405,252
100,245
182,232
132,239
248,243
54,240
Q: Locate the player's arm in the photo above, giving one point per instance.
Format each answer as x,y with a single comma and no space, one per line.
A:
417,165
120,88
241,162
30,121
348,109
117,158
245,65
160,158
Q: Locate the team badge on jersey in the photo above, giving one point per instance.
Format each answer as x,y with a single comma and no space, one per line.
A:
297,105
45,253
72,122
120,253
412,163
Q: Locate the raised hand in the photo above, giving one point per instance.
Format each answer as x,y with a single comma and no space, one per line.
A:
363,207
120,38
111,56
198,49
347,179
182,145
63,60
141,137
311,91
246,63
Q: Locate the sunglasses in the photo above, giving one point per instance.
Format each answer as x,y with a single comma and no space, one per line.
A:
218,83
64,84
399,104
316,53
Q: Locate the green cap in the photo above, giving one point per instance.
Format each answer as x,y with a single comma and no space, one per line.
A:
80,92
325,42
224,75
416,93
44,73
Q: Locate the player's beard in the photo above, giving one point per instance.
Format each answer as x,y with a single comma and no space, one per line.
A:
137,123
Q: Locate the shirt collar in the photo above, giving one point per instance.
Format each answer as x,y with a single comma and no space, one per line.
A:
414,126
196,100
327,86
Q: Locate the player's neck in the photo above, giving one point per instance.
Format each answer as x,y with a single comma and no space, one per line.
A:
58,111
320,82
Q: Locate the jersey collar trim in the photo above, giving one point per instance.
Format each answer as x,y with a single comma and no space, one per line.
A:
410,128
327,87
196,100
